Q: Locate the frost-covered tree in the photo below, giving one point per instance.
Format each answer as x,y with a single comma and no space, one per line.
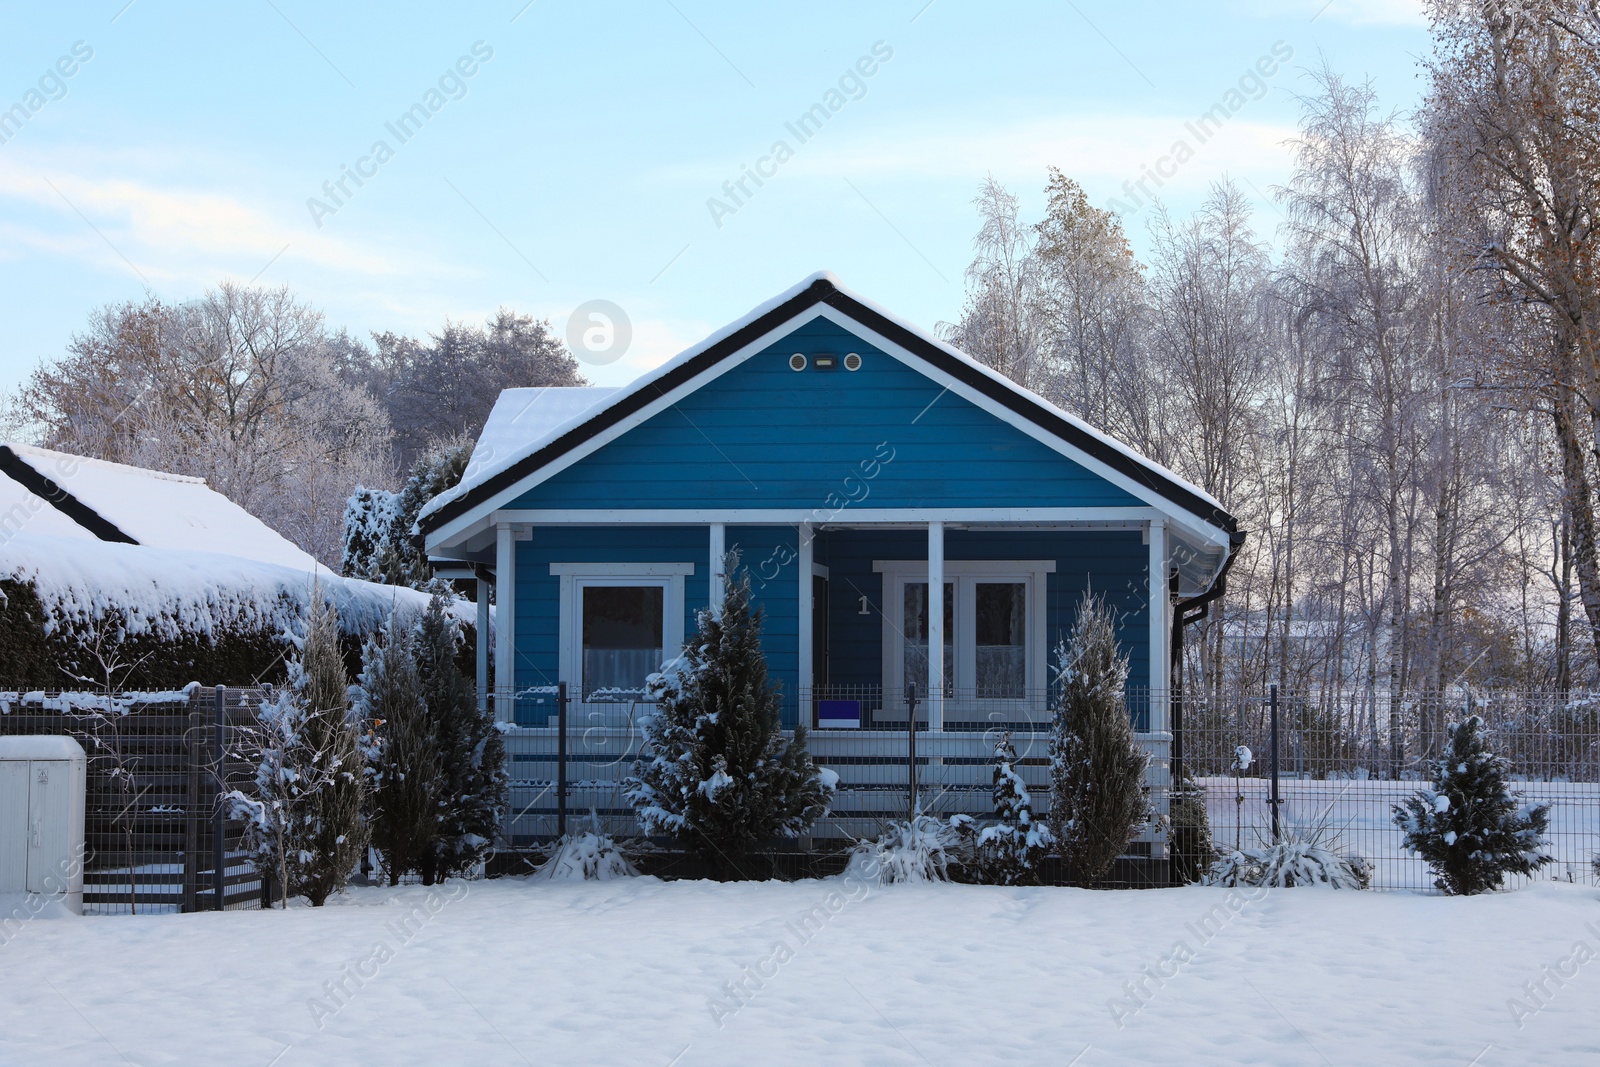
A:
402,753
1469,827
1008,851
445,384
1097,798
379,544
472,784
369,517
305,827
239,387
719,777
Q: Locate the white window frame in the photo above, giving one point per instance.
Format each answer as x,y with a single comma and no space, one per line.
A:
964,576
575,577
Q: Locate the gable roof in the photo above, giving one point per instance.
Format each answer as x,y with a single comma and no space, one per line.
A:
821,292
523,421
22,509
132,505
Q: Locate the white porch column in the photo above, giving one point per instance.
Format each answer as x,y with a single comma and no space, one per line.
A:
1160,628
505,652
935,627
803,647
715,577
483,645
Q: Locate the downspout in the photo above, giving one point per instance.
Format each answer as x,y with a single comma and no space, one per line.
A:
1200,606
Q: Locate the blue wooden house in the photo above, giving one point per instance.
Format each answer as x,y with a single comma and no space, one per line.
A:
917,529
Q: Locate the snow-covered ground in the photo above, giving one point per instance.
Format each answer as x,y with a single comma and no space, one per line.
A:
640,971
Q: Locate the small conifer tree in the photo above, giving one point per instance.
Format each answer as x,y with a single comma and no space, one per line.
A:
331,737
720,778
1008,851
402,758
305,826
1191,844
1469,827
1097,798
472,788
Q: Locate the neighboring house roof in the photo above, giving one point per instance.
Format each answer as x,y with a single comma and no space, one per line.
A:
22,509
120,503
526,454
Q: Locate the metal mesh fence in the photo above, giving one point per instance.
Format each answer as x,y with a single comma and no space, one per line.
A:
574,777
1345,759
156,837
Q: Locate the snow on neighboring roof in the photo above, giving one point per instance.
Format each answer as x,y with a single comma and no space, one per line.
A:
647,379
22,510
169,592
523,421
160,510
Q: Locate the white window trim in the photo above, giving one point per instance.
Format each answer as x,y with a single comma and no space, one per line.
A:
964,575
575,577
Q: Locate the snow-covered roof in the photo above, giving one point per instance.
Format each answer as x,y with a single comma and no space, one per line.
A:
682,370
146,507
165,591
522,422
21,509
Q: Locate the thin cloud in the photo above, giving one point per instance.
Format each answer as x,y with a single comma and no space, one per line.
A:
173,232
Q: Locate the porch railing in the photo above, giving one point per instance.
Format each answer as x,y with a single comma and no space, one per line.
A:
566,778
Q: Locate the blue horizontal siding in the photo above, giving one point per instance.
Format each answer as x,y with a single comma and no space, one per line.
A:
538,639
764,436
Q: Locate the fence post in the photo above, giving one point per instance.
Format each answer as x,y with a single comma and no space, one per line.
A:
561,759
911,748
218,818
194,749
1272,704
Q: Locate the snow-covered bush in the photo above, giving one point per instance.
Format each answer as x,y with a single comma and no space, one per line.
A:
305,827
369,517
1008,850
589,856
922,850
717,775
1097,800
402,752
1190,832
1289,863
473,788
1469,827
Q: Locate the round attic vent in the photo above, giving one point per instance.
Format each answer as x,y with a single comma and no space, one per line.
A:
852,361
797,361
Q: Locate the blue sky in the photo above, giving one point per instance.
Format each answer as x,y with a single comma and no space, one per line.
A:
577,160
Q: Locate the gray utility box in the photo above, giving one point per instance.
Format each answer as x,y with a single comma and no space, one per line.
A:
41,818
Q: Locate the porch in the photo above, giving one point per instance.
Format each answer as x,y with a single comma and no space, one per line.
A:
563,772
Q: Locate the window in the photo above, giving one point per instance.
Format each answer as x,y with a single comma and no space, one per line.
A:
619,623
1000,626
994,633
914,636
624,631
